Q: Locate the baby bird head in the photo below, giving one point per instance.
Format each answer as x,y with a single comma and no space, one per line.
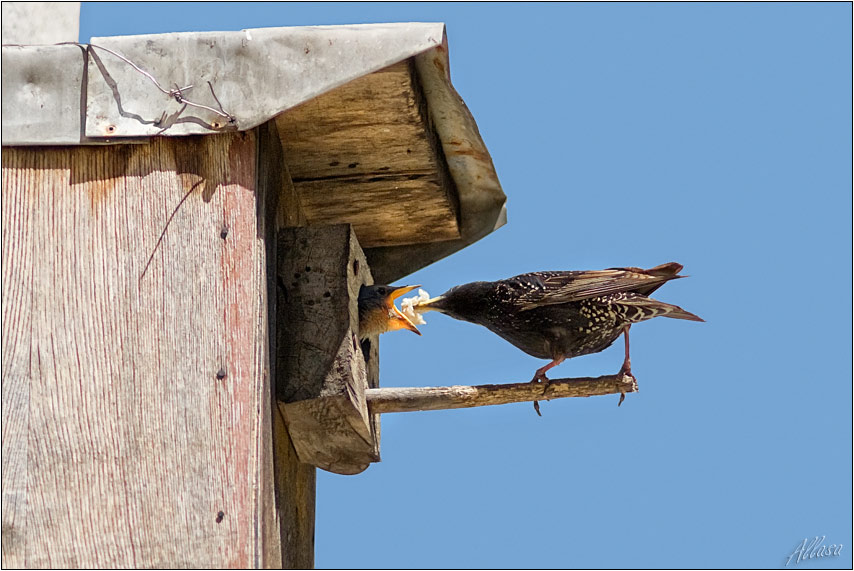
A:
377,312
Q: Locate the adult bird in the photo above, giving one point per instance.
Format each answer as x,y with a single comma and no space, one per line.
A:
377,312
560,315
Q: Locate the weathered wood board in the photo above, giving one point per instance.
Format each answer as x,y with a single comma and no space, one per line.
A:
366,154
321,368
136,390
295,482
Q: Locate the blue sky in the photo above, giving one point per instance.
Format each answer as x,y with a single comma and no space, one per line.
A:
715,135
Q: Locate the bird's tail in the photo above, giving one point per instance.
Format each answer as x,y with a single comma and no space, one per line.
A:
644,308
676,312
669,269
656,277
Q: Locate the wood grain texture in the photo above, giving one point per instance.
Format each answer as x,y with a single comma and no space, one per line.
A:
134,355
292,518
366,153
319,361
18,251
410,399
295,492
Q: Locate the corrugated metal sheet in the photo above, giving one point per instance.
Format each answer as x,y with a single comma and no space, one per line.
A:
130,87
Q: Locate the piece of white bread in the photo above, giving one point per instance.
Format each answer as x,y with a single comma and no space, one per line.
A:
407,310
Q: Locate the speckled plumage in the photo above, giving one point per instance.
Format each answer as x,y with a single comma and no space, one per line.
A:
560,315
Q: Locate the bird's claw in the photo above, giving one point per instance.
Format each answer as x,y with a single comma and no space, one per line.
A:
538,376
625,371
546,388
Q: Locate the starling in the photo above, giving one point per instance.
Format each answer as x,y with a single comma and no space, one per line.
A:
377,312
560,315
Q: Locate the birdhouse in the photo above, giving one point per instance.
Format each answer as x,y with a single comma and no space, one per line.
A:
188,220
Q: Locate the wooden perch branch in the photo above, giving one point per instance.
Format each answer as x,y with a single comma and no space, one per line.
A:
411,399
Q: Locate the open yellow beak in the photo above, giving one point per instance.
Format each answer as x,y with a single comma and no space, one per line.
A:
396,293
403,321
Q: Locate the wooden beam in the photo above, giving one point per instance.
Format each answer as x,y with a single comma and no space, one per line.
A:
294,482
320,363
410,399
295,498
136,395
366,154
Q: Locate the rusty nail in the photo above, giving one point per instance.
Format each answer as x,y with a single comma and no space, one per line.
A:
221,374
219,516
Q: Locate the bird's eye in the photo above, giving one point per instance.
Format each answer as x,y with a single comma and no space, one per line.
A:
381,290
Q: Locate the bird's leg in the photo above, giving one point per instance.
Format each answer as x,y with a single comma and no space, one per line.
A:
540,375
626,369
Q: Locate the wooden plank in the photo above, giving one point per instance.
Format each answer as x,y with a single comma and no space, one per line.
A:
320,365
292,519
366,153
295,494
341,119
134,348
18,250
385,210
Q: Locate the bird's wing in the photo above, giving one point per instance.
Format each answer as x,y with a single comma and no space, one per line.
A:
550,288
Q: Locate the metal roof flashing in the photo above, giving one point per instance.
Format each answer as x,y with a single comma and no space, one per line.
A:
120,89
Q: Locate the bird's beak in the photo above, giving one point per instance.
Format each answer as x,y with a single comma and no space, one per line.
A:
426,306
403,321
397,292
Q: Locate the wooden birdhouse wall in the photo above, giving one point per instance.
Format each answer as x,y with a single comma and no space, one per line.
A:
138,427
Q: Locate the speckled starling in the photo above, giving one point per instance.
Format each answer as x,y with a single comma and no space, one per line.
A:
560,315
377,312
